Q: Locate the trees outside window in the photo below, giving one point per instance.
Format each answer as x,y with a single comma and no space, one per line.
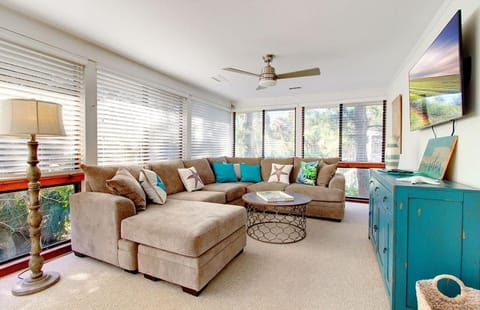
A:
248,134
279,134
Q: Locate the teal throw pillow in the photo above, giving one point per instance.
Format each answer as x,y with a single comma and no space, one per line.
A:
308,173
250,173
224,172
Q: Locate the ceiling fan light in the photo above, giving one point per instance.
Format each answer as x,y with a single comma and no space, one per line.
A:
267,83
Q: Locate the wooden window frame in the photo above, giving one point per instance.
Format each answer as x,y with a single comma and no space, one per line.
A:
10,185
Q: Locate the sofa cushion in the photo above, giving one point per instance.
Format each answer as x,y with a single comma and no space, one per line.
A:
153,186
224,172
232,191
250,173
280,173
206,196
190,179
96,176
220,159
124,184
326,173
167,170
266,186
266,166
203,168
308,173
317,193
184,227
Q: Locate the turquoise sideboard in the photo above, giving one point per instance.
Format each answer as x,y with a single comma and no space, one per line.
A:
419,231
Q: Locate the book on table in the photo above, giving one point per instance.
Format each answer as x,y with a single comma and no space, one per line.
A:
274,196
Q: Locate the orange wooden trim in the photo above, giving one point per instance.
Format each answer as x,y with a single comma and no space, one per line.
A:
45,181
357,199
22,263
362,165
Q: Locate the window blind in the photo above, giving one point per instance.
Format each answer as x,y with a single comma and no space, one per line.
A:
321,132
28,74
279,137
136,121
363,132
248,134
210,131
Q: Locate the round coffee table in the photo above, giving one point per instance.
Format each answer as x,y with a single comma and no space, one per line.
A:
276,222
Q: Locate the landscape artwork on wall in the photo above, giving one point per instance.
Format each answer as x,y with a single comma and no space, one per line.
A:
437,156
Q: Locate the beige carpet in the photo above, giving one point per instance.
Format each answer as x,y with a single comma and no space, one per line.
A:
332,268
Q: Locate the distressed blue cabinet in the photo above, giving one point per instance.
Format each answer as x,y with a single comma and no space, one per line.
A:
419,231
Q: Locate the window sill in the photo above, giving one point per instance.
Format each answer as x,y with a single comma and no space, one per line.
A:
22,263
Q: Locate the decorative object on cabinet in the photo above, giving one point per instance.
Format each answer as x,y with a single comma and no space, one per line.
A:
397,120
423,230
392,154
437,156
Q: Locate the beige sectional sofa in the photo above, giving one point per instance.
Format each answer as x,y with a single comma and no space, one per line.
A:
328,196
193,235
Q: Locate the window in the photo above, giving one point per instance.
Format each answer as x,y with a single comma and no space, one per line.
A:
265,133
28,74
352,132
321,132
362,132
211,133
248,128
137,122
279,138
14,230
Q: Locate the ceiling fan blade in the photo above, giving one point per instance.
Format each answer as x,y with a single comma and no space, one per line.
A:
240,71
308,72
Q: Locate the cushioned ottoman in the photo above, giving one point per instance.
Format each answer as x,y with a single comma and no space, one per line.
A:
186,242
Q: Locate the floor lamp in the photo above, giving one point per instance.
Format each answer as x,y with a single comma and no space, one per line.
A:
32,118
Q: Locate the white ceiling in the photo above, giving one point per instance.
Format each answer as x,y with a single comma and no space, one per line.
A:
357,44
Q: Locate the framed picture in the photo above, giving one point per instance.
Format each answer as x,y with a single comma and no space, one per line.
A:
397,120
436,157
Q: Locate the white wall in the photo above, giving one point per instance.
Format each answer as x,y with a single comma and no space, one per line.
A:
465,164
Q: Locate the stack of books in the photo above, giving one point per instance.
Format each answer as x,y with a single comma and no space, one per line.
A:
274,196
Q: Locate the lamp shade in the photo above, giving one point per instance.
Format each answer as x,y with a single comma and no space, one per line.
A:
20,117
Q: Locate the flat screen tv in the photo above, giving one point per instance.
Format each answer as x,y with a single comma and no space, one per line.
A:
436,81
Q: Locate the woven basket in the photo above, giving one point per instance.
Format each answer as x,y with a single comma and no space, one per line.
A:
430,298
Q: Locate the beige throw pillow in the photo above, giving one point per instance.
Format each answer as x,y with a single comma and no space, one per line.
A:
190,178
325,173
124,184
280,173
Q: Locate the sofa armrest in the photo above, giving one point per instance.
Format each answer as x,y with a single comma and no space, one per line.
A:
96,220
337,182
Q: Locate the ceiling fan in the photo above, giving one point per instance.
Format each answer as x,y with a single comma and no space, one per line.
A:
268,77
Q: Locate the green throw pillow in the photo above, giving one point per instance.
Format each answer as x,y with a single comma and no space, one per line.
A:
308,173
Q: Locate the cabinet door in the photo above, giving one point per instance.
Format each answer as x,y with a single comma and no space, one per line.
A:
374,212
434,244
